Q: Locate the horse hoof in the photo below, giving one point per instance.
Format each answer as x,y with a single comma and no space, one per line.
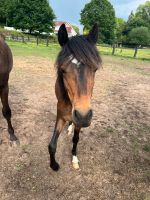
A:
55,166
13,138
75,162
75,166
14,143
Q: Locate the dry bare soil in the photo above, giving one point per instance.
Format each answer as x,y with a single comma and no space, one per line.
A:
114,152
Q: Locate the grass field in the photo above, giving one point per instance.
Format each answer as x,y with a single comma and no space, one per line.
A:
126,52
31,49
27,49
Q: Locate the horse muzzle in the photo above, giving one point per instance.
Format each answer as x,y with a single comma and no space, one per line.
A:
82,119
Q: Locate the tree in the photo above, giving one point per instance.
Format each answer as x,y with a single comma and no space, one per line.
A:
143,14
102,13
76,28
32,15
120,25
131,23
140,18
139,36
4,10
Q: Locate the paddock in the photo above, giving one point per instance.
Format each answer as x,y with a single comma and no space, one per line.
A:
114,151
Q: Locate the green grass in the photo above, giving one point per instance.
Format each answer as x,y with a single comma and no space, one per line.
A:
146,147
31,49
143,54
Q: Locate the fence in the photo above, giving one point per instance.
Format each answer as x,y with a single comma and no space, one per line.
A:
33,39
141,53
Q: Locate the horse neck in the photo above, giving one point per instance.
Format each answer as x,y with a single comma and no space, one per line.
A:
61,91
2,37
1,40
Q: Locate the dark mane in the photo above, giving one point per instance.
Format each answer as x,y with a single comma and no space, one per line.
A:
82,49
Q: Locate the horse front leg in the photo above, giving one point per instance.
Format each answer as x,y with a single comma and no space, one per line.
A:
75,140
7,111
70,128
53,143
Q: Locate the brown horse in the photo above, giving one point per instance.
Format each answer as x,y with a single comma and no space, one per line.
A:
76,65
6,64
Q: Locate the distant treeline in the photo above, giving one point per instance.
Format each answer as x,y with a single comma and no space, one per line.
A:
136,31
38,17
32,15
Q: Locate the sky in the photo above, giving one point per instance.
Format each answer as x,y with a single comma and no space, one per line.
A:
69,10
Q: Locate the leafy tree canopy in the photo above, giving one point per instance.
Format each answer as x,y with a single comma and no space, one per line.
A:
120,25
32,15
102,13
140,18
143,14
4,9
139,36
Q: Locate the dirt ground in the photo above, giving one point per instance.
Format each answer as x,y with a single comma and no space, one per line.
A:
114,152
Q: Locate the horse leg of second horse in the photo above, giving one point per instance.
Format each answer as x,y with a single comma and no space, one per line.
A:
75,141
53,144
7,111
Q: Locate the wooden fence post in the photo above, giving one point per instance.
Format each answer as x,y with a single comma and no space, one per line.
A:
37,40
113,50
47,41
23,39
135,53
28,38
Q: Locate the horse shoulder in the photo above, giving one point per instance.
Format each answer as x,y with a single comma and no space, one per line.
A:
6,58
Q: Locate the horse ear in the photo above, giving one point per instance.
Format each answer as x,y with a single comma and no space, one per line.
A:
62,35
93,34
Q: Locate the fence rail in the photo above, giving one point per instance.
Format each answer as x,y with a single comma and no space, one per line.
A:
38,40
142,53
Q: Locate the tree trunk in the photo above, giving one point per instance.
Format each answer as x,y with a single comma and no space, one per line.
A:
6,22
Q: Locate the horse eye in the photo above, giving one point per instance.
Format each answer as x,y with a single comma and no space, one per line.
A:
63,71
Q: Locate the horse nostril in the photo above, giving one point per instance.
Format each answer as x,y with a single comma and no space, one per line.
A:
89,114
77,115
